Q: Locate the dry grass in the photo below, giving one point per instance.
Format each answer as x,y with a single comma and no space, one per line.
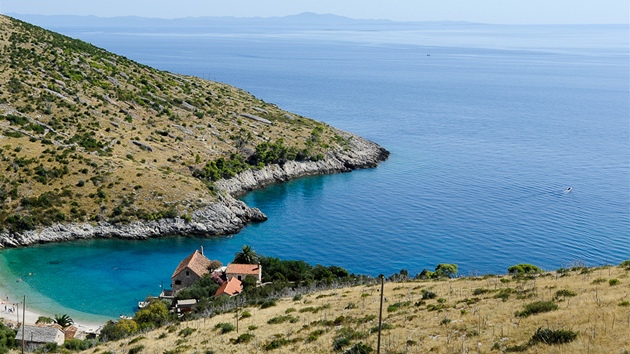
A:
79,90
467,323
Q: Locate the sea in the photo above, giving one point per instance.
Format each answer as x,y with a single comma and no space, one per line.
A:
487,125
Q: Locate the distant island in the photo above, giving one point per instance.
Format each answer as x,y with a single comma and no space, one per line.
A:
93,144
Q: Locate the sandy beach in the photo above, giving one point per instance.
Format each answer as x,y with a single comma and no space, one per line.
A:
11,312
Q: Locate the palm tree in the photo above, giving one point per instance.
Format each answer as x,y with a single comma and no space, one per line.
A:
246,255
63,320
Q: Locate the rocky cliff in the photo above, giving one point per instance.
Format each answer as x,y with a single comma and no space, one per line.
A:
359,153
226,216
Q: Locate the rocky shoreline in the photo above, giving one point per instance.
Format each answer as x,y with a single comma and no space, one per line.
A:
226,216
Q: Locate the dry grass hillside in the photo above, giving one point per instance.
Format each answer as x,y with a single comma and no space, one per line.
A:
467,315
87,135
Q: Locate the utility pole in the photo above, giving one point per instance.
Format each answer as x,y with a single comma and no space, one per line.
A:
23,321
380,315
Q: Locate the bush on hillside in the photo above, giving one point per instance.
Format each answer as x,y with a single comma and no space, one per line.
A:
524,268
553,336
537,307
118,330
7,338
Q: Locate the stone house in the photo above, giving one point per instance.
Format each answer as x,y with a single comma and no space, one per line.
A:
185,306
190,270
230,288
240,271
35,337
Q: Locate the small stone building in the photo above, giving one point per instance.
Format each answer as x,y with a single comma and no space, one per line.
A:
185,306
232,287
35,337
240,271
189,270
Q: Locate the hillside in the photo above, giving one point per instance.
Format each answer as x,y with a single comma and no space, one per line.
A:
93,144
465,315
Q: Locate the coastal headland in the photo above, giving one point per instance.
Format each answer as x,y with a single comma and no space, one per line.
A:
94,145
228,215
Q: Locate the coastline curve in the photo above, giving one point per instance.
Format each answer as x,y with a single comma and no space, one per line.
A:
226,216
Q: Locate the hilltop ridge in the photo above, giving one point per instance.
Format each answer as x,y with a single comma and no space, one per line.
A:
93,144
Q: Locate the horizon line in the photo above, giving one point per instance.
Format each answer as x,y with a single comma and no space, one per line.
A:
316,14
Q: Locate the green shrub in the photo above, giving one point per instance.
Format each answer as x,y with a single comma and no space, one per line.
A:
537,307
359,348
137,349
517,348
524,268
599,281
340,342
436,307
77,344
624,304
384,326
565,293
243,338
396,306
267,304
314,335
553,336
613,282
625,264
480,291
282,319
503,294
186,332
428,294
225,327
118,330
44,320
276,343
7,338
445,270
135,340
246,314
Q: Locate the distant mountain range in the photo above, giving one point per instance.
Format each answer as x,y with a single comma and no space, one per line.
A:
303,20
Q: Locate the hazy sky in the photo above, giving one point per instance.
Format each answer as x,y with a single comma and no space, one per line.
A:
487,11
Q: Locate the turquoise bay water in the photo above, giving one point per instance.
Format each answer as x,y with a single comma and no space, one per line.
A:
486,132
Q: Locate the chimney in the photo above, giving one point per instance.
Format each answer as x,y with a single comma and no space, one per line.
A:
202,250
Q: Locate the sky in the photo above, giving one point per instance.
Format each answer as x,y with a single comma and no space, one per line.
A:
484,11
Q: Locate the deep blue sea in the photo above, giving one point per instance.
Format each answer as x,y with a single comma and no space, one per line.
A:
487,126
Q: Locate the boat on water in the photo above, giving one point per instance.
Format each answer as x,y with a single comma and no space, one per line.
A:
568,189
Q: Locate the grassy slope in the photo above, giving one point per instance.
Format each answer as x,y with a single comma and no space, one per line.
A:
69,113
474,323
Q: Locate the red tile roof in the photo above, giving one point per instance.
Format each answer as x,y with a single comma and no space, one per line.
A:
250,269
70,332
197,262
231,287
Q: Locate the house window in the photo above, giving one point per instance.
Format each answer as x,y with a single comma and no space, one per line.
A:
187,273
239,277
178,282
